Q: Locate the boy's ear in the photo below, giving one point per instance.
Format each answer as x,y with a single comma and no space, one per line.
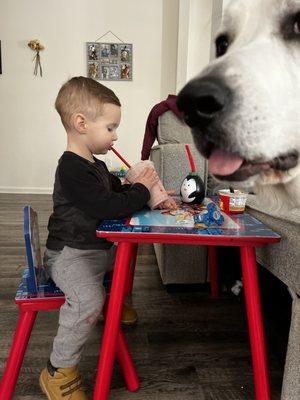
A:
80,123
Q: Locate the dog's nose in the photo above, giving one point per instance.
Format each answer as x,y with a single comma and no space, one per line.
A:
202,100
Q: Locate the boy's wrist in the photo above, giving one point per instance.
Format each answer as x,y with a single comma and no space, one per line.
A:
141,185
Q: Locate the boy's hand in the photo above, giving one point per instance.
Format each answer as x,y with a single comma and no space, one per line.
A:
148,177
170,203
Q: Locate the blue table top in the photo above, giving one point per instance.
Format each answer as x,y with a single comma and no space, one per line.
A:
240,225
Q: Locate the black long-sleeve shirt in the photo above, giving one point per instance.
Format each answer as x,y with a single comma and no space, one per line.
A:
84,194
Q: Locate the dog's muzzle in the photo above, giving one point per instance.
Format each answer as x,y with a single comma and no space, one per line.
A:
203,100
204,103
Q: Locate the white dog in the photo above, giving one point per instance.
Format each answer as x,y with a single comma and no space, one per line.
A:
244,108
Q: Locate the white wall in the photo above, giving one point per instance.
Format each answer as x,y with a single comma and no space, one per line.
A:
194,38
171,42
32,138
169,47
216,20
225,3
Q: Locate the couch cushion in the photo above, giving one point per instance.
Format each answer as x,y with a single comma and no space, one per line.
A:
291,215
172,130
283,258
181,264
172,165
291,379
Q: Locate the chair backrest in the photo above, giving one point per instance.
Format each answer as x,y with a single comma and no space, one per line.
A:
33,248
173,130
35,281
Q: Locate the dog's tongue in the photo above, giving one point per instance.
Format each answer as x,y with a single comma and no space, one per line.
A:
224,163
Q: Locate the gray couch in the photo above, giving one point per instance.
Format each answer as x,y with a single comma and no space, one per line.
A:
283,261
188,264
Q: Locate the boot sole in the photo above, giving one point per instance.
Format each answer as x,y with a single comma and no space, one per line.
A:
131,322
44,390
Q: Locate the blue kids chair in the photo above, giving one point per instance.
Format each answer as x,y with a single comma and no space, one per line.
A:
37,292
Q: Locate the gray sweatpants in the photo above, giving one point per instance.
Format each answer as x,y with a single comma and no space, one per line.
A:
79,274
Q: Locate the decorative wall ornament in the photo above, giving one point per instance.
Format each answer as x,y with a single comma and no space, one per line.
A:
36,46
109,61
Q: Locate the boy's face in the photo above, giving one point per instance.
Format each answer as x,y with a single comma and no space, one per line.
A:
102,132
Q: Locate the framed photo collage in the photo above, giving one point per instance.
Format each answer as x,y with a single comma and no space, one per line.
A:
109,61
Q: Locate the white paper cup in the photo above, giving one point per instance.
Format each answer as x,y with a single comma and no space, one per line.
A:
158,193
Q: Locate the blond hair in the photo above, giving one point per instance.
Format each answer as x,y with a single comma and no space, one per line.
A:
82,95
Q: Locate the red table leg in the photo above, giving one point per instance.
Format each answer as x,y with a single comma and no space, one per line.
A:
129,283
126,364
113,318
256,331
213,271
16,355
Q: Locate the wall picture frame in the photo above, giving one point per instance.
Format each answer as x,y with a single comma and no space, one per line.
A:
109,61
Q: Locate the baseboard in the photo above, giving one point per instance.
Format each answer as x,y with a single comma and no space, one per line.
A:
26,190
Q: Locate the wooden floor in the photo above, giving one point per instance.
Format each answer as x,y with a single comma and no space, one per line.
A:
185,345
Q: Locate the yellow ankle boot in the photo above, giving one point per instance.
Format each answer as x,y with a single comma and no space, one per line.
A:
129,315
62,383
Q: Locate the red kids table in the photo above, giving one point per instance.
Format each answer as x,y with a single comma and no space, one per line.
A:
245,232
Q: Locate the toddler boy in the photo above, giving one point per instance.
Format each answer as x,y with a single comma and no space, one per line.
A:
84,194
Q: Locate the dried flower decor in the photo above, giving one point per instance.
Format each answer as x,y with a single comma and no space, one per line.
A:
36,46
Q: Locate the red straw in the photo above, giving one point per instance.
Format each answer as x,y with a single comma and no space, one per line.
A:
120,157
190,158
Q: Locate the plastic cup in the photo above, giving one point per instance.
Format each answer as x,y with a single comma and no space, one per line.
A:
232,203
158,193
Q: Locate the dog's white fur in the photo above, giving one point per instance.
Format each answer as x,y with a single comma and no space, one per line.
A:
263,70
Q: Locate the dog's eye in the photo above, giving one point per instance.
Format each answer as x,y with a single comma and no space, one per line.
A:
290,27
297,24
222,44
